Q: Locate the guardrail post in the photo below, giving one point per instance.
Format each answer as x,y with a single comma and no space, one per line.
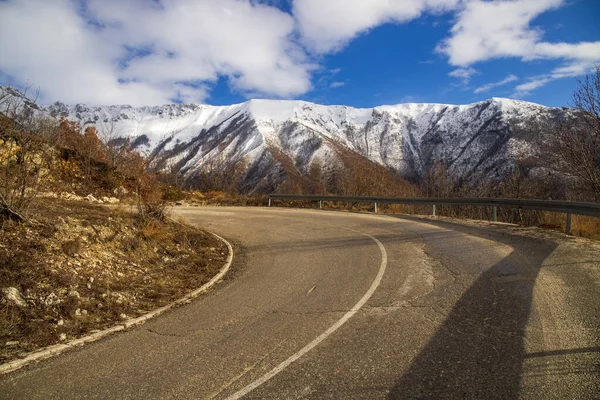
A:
563,207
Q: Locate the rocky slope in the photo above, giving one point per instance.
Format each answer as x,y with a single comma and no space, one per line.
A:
485,138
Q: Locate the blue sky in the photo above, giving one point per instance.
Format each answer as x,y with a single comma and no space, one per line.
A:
355,52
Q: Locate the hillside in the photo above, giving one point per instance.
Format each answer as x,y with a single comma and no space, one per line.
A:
85,243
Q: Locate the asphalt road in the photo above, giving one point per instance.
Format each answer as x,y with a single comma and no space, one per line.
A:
355,306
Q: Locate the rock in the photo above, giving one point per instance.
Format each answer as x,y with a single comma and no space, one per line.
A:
12,343
91,198
110,200
13,295
62,337
84,312
78,312
51,299
123,316
60,322
70,196
120,191
71,247
48,194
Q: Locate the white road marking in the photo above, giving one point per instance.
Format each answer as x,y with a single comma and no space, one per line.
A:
242,392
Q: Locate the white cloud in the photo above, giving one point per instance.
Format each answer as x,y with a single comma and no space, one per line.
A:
570,70
336,84
535,83
188,45
151,52
463,74
327,26
489,86
487,30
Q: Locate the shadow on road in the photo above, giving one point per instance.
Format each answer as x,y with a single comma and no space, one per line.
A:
478,351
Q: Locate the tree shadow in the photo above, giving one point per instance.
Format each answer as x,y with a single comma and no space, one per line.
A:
478,351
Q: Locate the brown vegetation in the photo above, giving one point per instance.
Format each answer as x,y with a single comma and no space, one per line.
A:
578,139
88,267
25,156
217,174
352,175
69,267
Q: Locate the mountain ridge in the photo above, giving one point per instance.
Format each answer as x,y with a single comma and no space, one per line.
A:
407,138
485,139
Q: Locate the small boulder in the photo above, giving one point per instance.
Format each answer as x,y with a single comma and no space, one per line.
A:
110,200
71,247
120,191
91,198
70,196
13,295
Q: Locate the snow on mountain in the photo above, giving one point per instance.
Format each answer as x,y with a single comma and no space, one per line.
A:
487,137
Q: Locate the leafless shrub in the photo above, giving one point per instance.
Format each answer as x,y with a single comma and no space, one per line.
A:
577,144
25,155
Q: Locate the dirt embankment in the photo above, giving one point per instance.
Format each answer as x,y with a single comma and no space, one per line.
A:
86,267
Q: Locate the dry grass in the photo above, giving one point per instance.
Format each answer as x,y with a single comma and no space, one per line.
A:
586,226
88,267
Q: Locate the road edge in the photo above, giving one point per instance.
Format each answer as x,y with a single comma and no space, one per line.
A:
60,348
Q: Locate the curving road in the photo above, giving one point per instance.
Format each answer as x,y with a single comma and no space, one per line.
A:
357,306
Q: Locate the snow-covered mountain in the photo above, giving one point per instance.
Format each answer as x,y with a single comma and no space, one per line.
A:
485,138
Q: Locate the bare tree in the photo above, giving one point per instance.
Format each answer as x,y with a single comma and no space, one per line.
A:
25,157
220,172
116,146
579,137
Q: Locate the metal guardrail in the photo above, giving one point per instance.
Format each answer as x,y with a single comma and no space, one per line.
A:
568,207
